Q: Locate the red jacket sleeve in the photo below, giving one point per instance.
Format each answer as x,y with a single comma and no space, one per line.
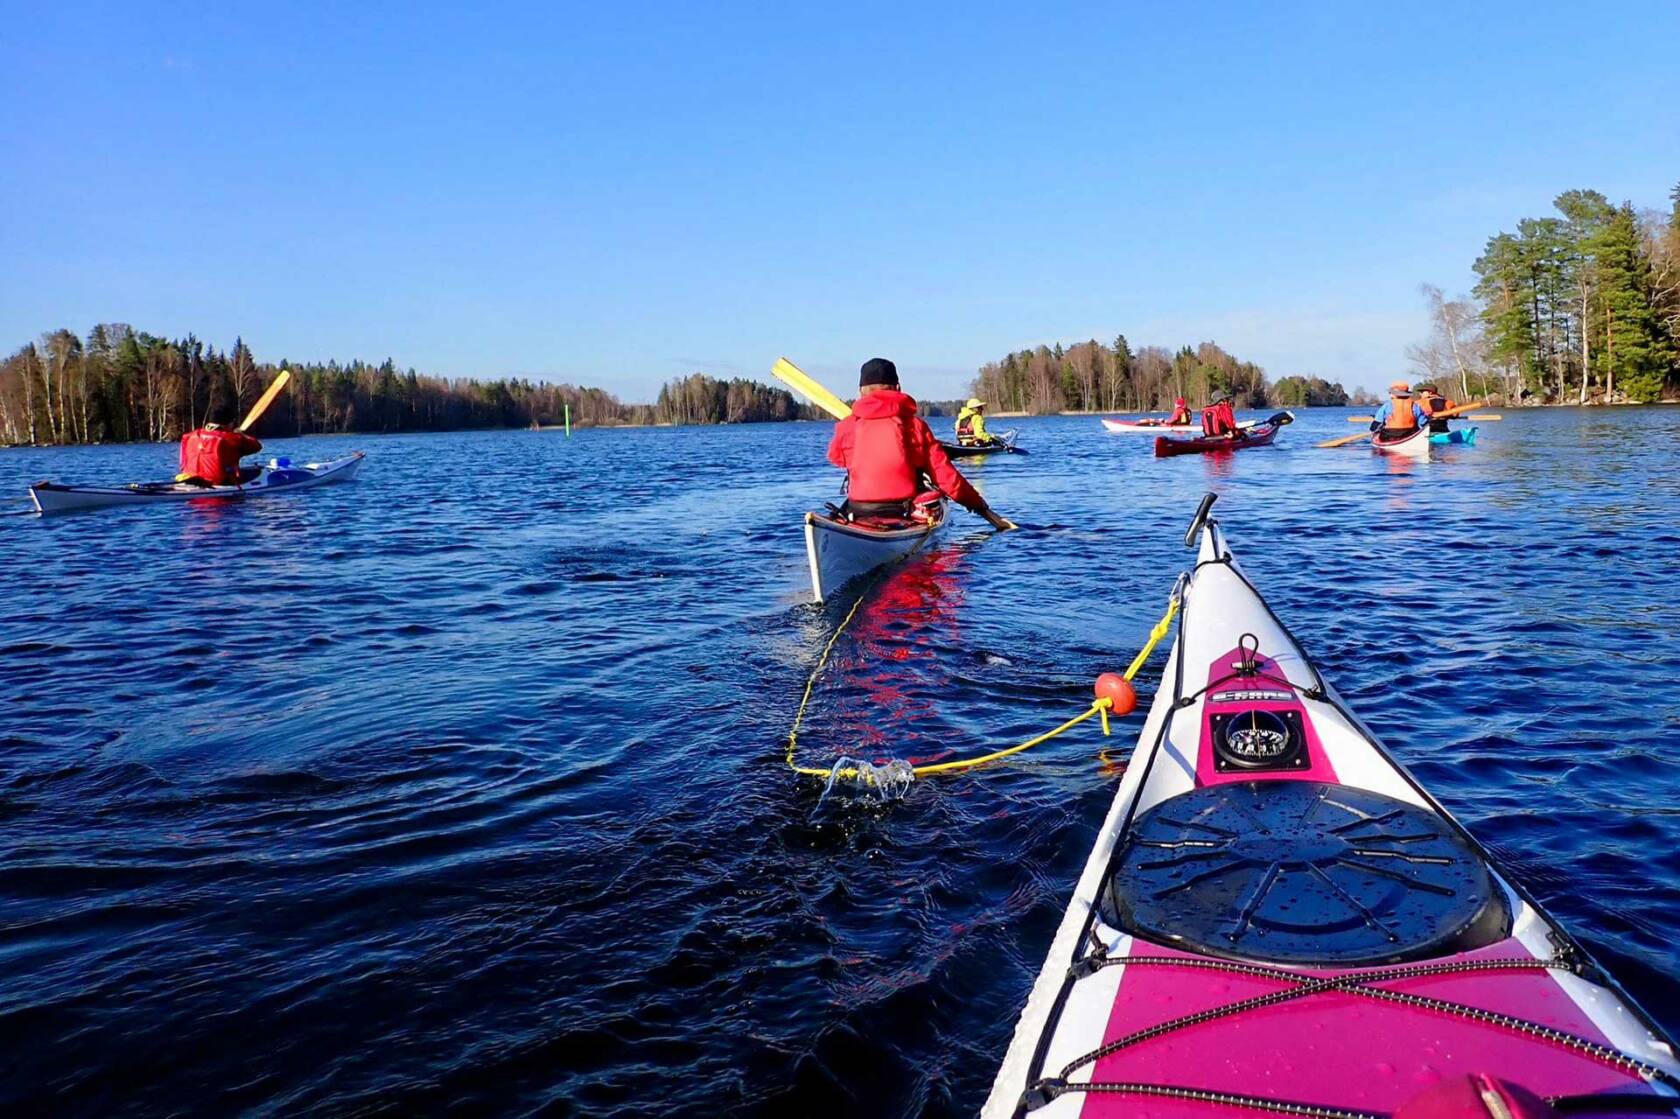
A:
930,457
840,446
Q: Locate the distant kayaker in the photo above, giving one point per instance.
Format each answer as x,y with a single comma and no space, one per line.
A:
211,454
889,452
971,424
1400,413
1219,418
1434,402
1181,413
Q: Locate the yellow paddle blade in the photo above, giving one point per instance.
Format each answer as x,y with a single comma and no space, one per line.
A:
1484,417
1361,419
265,400
799,381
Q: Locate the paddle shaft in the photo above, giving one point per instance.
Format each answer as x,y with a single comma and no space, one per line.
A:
1482,417
1346,439
265,400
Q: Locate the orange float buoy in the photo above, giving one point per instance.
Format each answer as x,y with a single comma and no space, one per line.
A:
1118,690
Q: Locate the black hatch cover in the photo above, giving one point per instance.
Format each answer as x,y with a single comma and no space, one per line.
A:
1302,872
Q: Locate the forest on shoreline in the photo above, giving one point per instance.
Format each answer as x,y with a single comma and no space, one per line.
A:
1093,376
123,385
1578,308
119,384
1582,307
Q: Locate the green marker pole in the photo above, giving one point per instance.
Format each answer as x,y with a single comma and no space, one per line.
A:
568,421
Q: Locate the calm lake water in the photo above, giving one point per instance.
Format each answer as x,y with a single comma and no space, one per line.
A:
460,787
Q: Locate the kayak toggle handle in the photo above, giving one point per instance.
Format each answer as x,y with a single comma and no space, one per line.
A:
1199,519
1248,654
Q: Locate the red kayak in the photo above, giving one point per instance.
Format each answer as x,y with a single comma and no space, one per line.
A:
1257,436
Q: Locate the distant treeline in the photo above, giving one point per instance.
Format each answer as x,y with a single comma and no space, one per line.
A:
699,399
119,385
1579,307
1091,376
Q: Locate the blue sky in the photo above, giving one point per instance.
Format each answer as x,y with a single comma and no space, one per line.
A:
621,194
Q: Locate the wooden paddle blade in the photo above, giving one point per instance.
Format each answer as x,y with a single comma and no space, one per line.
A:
265,400
796,379
1484,417
1361,419
1459,410
1346,439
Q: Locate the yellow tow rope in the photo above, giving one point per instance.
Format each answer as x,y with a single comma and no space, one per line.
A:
1099,707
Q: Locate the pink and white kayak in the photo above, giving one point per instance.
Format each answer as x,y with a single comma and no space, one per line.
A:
1277,918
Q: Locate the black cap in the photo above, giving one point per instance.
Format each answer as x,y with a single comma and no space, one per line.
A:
878,371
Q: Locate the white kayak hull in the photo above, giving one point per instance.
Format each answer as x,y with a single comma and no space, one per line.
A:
1129,1005
1135,427
1124,426
839,552
52,497
1415,445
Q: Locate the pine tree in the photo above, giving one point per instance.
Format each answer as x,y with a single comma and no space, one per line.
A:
1506,289
1638,357
1587,212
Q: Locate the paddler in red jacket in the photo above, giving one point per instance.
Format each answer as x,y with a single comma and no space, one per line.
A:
887,451
1219,418
210,455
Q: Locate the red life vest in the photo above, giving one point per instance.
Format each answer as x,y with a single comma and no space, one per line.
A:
1219,419
214,455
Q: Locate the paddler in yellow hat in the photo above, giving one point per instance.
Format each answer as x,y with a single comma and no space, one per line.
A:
1400,414
971,424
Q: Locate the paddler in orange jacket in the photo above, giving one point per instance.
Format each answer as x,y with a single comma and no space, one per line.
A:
1400,414
888,452
210,455
1434,402
1181,413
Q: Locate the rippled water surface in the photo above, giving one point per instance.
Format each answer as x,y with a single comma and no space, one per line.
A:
460,787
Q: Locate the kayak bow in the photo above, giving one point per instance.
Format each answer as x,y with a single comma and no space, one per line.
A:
273,479
1277,917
